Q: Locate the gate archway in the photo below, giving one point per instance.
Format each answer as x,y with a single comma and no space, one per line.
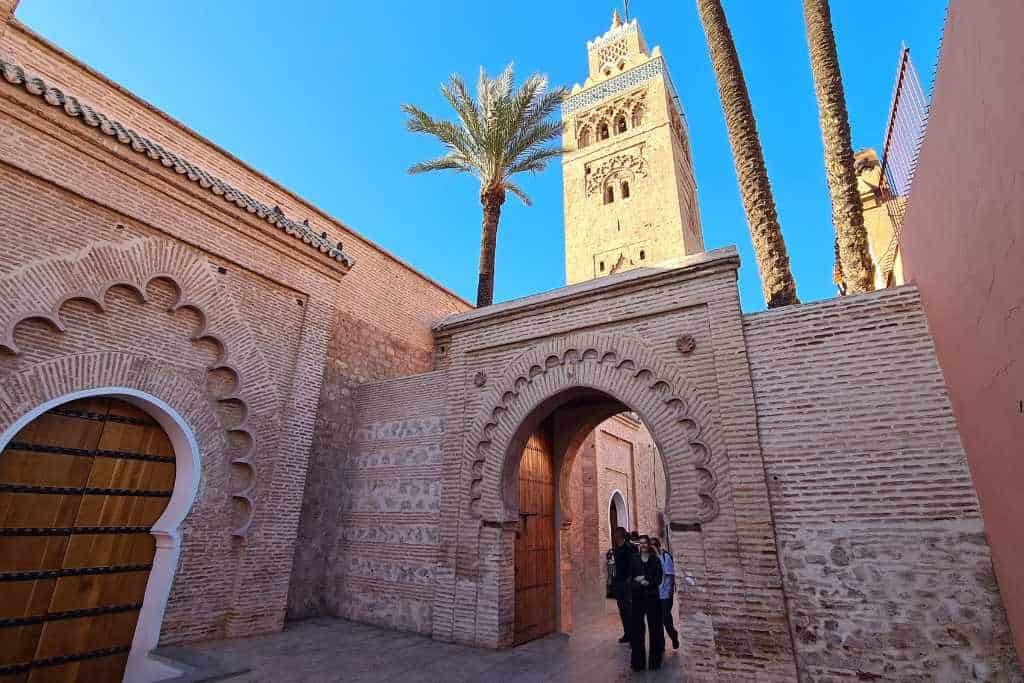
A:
97,484
610,376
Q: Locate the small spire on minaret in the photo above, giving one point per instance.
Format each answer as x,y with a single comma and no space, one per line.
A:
616,19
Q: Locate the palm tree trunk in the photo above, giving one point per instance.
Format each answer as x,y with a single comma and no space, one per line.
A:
491,199
755,189
837,269
847,211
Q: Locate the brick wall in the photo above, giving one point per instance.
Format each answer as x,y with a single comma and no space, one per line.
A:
71,194
618,455
385,504
7,8
358,352
612,339
886,567
584,535
70,187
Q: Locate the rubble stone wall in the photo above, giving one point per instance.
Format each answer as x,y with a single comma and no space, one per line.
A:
886,566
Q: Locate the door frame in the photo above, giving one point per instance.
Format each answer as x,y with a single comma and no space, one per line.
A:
166,530
621,511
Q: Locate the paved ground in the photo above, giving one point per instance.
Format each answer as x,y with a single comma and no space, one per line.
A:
327,649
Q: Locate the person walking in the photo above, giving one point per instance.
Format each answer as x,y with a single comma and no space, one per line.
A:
622,568
667,591
647,575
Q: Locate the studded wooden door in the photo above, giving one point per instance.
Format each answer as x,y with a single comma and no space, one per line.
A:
535,542
80,488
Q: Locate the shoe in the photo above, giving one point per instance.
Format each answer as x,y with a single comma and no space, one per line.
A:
675,643
624,639
638,668
654,666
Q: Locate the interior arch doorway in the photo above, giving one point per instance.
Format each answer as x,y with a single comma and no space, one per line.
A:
93,488
547,557
618,512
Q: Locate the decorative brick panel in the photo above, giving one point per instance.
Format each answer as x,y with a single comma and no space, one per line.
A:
387,499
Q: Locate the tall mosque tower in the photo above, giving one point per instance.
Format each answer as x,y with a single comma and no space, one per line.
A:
630,195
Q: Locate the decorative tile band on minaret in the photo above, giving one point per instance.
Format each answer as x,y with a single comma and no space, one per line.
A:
630,194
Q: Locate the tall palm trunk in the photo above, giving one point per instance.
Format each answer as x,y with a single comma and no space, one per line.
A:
491,199
769,247
847,211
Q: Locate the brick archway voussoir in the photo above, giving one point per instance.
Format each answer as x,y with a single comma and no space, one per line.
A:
621,368
41,288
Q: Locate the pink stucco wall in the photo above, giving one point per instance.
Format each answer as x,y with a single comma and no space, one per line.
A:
963,245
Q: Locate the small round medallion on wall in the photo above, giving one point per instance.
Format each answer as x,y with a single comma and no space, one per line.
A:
480,378
686,344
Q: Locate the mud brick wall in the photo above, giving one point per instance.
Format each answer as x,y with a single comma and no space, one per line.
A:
585,550
70,187
380,567
886,566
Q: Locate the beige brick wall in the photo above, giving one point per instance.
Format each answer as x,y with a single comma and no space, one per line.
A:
380,568
886,565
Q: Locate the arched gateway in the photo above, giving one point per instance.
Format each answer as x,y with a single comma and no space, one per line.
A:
673,355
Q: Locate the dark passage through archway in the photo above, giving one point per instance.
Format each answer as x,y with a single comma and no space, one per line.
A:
588,466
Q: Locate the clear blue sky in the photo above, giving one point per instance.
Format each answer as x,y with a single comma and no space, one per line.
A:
308,92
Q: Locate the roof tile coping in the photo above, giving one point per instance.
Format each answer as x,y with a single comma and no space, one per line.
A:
34,85
685,267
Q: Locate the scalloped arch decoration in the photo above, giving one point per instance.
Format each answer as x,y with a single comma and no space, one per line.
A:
38,290
620,367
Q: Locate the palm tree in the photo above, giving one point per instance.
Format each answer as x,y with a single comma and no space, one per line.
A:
855,264
501,133
755,189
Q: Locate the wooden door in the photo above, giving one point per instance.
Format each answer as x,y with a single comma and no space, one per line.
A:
535,542
80,488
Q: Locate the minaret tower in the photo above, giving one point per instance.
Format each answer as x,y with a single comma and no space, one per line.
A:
630,195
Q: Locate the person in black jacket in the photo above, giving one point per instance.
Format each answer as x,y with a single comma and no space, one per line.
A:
647,574
622,554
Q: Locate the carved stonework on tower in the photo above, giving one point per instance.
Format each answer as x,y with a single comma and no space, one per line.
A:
630,195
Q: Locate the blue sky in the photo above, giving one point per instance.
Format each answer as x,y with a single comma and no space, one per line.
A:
308,92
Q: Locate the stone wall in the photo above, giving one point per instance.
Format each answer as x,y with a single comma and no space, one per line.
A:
886,565
380,567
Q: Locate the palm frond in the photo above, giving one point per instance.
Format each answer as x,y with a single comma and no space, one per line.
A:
534,138
536,161
448,162
502,132
518,192
469,113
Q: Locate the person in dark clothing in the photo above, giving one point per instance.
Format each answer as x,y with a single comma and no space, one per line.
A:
667,591
647,576
622,554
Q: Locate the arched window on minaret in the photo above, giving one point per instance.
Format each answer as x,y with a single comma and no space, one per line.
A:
584,137
624,189
609,194
620,124
602,131
638,116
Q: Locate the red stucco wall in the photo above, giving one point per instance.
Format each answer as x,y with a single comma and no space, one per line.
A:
963,245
